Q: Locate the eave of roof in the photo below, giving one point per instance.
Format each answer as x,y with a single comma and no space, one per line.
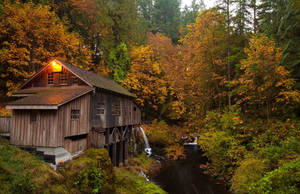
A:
48,98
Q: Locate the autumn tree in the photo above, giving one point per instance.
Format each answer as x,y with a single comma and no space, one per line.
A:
205,69
30,36
152,78
264,87
280,21
173,66
90,19
146,79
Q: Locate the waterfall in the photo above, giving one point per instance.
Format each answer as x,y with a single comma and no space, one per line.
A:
144,175
148,149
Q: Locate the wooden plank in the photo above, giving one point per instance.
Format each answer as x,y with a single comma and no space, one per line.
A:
5,124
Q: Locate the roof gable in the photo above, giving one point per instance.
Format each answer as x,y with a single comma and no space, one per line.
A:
90,78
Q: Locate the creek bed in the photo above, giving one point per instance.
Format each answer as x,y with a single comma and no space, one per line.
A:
186,177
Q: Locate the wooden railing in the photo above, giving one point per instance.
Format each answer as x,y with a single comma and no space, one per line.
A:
5,124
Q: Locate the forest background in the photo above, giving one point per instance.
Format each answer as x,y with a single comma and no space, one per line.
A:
229,74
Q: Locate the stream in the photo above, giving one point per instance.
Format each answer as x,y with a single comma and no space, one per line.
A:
186,177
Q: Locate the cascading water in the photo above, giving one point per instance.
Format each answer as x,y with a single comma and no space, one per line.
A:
147,149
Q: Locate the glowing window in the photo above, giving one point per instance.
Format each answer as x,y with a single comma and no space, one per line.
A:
56,67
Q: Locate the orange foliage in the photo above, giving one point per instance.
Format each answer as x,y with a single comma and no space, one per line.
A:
203,55
150,77
264,84
32,34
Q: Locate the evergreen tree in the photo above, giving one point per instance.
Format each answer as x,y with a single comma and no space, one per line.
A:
280,20
166,18
145,10
190,13
253,5
225,7
241,19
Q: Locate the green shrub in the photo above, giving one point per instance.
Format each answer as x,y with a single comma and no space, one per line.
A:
249,172
283,180
89,180
91,173
224,151
274,155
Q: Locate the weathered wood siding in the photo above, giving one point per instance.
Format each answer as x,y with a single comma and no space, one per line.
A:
5,124
72,127
51,126
42,132
130,114
97,139
75,145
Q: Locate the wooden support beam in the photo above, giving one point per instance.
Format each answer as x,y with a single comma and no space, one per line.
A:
114,154
121,151
125,152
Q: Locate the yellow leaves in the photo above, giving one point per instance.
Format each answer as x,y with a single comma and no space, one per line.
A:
34,35
237,120
156,68
263,80
145,78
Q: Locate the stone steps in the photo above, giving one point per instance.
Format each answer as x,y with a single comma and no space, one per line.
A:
54,155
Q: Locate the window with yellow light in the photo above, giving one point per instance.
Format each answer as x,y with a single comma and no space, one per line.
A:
56,67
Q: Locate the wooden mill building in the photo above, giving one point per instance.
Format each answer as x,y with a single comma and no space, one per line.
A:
62,110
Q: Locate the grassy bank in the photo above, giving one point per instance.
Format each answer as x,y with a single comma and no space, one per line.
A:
22,172
130,181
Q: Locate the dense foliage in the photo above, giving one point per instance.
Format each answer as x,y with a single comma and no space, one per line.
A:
22,172
229,74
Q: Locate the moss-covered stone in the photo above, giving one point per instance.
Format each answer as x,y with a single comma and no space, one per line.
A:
91,173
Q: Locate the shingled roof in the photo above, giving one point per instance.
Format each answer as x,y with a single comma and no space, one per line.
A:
90,78
48,98
97,80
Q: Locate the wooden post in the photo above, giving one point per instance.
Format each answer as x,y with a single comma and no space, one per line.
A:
107,136
88,143
121,161
114,153
125,151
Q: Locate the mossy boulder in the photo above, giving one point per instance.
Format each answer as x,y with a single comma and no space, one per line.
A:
91,173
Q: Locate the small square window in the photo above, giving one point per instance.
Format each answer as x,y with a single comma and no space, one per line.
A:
116,109
100,109
63,78
134,108
50,78
75,114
